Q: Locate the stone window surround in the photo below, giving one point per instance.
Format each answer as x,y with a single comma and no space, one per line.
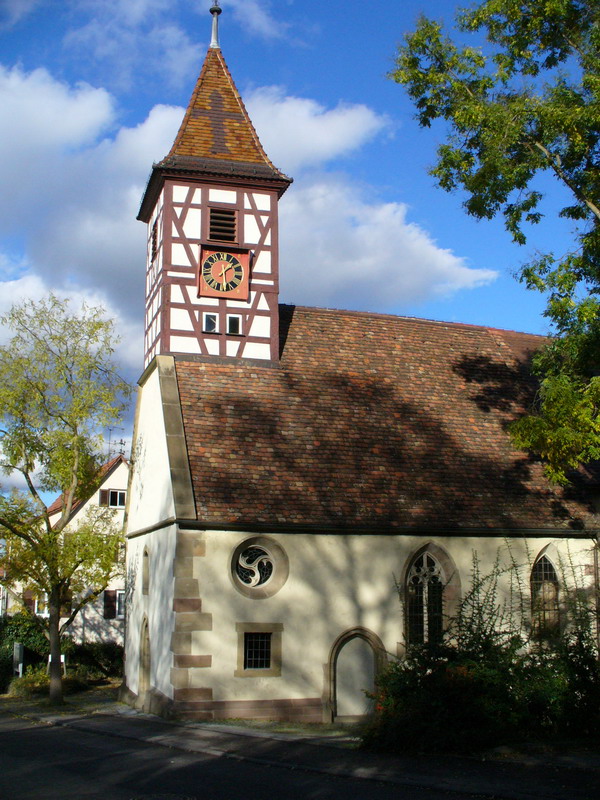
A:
276,631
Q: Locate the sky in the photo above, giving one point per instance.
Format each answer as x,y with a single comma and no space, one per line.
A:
92,92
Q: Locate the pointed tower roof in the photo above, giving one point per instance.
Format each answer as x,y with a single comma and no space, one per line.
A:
216,137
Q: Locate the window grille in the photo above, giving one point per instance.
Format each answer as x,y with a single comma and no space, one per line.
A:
257,650
222,227
544,599
425,601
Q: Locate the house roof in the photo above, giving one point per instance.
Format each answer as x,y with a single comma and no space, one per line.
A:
216,137
103,473
370,422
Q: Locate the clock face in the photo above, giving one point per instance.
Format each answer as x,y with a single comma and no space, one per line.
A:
222,272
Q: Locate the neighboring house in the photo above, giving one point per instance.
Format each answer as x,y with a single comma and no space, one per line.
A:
104,618
309,485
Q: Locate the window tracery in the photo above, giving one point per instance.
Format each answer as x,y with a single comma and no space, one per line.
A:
425,600
545,609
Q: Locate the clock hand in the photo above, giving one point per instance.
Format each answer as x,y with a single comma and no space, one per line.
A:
223,275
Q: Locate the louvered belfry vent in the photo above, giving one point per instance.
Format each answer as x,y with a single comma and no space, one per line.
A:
222,225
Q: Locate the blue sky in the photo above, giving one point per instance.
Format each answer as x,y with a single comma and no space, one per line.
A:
92,92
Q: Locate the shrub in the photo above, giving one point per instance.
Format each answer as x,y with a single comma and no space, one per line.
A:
20,628
95,659
34,682
486,684
441,699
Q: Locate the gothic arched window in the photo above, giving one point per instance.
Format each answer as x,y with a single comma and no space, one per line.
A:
545,611
425,584
145,572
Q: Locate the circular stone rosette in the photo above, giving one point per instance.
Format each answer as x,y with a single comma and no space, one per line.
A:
259,567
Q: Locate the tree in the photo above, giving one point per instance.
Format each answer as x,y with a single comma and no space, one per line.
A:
59,390
522,109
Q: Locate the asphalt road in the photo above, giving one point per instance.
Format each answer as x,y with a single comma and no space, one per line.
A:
43,762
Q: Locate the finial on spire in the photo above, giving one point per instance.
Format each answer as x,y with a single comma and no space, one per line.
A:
215,11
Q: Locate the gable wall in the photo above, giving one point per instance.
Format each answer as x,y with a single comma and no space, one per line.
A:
157,494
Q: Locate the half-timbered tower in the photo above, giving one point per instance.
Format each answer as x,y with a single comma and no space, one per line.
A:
212,277
309,485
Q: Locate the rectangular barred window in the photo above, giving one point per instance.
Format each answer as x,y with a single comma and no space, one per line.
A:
222,227
257,651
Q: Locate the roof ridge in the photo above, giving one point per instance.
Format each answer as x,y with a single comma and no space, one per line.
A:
409,318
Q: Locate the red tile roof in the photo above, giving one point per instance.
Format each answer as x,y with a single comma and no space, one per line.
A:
370,422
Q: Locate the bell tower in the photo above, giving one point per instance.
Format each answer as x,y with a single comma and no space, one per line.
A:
212,278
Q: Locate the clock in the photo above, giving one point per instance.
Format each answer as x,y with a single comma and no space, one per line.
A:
224,273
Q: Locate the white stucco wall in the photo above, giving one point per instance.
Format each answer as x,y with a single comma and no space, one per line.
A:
156,606
151,497
150,504
335,583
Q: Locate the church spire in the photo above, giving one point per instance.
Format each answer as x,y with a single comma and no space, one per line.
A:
216,136
215,11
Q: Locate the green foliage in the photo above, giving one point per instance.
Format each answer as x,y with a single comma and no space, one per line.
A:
23,629
524,106
487,684
95,659
60,389
34,682
442,699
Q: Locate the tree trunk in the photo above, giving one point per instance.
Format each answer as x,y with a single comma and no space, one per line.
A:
56,693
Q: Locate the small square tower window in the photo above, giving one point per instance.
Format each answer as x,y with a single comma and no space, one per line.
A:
222,225
210,323
234,324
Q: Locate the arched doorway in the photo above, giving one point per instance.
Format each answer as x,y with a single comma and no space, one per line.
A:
144,669
356,658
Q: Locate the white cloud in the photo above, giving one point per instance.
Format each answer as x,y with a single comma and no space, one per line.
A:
254,17
11,11
74,208
338,249
42,122
55,114
121,34
298,132
129,12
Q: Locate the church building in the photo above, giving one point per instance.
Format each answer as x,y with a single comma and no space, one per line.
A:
309,486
